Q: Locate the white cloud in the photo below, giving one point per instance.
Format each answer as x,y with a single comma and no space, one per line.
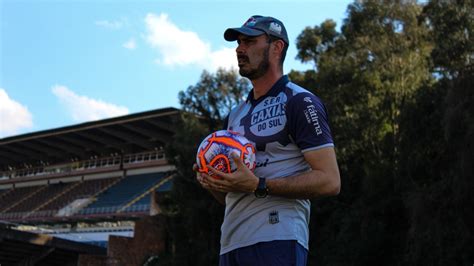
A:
179,47
111,25
225,57
13,115
83,108
130,44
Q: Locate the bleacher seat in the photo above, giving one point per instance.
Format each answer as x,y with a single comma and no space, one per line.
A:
14,195
146,200
85,189
39,197
123,192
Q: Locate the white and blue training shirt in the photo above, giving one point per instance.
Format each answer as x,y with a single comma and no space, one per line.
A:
283,124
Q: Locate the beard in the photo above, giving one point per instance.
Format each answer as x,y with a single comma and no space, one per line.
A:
260,70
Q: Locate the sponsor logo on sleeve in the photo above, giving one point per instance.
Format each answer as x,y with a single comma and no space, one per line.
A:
311,114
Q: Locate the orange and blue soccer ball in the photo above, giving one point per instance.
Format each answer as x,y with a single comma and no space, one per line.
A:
217,148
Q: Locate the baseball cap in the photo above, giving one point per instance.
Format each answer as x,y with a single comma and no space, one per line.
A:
256,26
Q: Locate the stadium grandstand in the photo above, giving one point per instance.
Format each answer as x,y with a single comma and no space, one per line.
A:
83,184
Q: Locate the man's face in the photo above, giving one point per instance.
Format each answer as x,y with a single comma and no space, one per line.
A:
253,56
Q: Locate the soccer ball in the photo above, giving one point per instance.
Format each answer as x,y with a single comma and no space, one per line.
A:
217,148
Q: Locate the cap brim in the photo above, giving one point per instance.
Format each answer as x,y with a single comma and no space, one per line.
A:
231,34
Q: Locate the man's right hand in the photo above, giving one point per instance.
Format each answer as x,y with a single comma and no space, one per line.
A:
202,178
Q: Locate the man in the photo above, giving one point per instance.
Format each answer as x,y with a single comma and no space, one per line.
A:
267,211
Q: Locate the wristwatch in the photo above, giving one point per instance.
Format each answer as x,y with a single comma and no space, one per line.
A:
262,190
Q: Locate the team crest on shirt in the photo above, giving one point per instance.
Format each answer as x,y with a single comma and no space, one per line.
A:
273,217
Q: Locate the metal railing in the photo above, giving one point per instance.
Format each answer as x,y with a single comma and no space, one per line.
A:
97,211
78,166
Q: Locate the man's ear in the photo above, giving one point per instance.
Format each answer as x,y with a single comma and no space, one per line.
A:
278,46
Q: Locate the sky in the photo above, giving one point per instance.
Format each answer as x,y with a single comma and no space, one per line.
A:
68,62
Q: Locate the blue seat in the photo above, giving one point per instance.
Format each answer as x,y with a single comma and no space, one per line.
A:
123,192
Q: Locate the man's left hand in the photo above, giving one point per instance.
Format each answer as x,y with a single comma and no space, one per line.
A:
241,180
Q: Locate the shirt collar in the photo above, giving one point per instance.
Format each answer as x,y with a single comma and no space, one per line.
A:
276,88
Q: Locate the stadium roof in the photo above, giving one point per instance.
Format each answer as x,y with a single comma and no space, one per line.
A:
120,135
24,248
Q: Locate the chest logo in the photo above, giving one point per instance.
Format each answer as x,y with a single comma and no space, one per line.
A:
268,117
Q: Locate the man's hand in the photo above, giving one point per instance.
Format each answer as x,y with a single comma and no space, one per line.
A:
242,180
202,178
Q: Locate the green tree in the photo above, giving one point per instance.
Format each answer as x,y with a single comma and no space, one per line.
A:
214,95
195,217
452,25
442,157
315,41
367,75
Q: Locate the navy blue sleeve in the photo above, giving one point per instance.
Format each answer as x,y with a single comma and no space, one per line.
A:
308,122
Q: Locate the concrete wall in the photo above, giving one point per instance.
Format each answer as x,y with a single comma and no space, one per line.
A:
149,239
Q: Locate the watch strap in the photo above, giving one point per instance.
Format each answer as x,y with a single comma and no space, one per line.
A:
262,190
